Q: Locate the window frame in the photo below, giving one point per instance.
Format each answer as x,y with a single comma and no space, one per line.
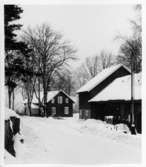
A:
60,99
66,100
53,110
66,110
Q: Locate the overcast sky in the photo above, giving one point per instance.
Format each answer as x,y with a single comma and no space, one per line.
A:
90,28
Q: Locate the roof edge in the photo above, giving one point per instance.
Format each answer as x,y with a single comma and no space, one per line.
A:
120,65
66,95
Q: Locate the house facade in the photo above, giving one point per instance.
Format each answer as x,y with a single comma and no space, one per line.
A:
96,85
59,104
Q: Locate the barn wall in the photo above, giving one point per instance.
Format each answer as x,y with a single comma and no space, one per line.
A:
120,110
83,100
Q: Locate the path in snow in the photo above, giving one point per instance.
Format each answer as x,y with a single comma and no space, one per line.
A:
48,140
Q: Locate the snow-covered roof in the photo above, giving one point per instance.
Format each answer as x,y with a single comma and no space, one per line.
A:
10,113
70,97
100,77
34,106
120,89
50,96
74,98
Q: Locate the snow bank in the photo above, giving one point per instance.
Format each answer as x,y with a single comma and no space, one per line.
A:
122,128
118,133
10,113
76,116
74,141
18,101
19,144
101,125
8,157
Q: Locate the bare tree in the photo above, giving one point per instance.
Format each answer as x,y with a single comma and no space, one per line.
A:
81,76
137,23
29,88
92,66
106,59
51,53
63,80
132,45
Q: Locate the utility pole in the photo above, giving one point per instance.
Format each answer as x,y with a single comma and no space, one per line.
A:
133,129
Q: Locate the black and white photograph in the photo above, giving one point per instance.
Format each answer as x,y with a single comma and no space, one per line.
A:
72,83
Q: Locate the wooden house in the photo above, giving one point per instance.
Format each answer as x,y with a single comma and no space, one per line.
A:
97,84
59,104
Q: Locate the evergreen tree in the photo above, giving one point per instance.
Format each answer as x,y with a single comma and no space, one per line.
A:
11,13
13,59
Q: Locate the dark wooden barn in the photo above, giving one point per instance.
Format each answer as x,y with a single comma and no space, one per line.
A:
96,85
109,95
59,104
115,101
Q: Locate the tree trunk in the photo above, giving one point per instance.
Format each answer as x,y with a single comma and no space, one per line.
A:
45,102
45,94
39,96
9,95
13,93
29,108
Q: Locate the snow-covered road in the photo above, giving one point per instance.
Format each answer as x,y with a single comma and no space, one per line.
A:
73,141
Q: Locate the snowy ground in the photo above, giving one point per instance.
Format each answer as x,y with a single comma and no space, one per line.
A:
74,141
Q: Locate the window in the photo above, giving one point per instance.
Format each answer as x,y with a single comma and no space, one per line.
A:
60,99
53,101
66,110
53,111
66,100
86,113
